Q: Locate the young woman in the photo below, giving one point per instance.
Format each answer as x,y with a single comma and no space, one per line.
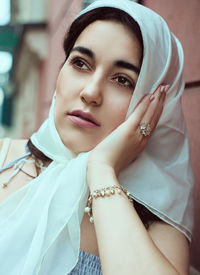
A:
105,148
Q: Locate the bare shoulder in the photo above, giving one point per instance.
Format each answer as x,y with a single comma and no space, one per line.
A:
14,141
173,244
16,148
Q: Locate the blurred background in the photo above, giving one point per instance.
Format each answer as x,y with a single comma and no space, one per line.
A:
31,37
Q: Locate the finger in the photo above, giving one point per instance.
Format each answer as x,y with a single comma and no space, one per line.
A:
138,113
155,109
156,100
159,108
153,113
156,117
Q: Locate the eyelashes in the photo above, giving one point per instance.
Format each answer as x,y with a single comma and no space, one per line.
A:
121,80
79,63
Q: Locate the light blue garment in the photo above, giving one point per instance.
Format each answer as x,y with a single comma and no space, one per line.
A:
12,163
88,264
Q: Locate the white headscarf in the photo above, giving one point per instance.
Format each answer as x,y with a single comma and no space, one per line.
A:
40,223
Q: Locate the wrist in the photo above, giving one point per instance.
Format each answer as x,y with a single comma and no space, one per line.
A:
100,176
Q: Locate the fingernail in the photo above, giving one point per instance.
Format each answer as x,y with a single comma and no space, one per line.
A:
152,97
162,88
167,88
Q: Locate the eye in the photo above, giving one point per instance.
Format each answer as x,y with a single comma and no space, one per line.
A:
123,81
79,63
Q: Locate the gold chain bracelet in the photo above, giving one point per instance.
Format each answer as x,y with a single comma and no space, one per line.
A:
104,192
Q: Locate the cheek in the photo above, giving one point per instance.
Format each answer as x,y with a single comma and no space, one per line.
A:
62,92
65,80
121,103
62,84
68,87
120,115
117,110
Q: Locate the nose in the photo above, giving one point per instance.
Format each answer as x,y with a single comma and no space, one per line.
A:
92,91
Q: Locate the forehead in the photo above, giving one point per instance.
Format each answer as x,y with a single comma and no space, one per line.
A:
110,38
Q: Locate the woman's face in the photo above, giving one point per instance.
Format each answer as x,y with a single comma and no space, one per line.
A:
95,85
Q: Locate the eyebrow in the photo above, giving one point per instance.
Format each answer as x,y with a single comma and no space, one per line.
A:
84,50
118,63
127,65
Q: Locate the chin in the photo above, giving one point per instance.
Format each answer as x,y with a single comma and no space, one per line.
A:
79,142
77,147
77,150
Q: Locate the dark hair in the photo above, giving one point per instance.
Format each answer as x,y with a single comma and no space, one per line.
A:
36,152
105,13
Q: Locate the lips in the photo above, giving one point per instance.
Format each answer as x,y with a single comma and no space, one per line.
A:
83,119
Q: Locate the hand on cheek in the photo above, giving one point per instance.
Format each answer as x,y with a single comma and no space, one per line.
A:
126,142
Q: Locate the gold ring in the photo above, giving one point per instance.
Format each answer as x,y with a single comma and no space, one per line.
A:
145,129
